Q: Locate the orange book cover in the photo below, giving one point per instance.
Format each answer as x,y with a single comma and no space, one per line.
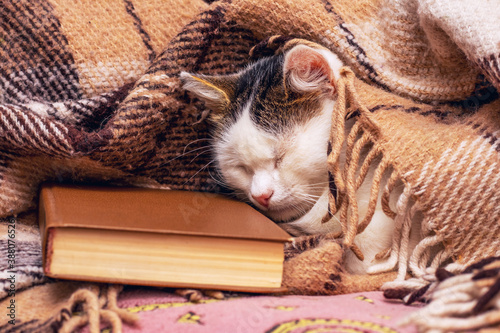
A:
160,238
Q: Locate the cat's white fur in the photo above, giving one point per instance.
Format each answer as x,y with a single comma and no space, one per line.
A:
305,160
246,157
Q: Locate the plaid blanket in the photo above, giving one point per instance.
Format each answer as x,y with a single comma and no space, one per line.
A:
89,94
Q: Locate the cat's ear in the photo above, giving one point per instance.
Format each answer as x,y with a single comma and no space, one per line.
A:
216,91
311,70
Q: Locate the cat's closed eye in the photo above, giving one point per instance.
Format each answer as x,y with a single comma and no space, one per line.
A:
278,160
244,169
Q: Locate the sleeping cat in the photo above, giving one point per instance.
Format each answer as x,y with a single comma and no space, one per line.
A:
270,140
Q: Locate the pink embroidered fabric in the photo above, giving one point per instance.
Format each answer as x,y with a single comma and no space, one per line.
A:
161,311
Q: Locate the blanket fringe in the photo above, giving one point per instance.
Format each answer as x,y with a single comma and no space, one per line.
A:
401,238
421,238
97,308
361,153
469,300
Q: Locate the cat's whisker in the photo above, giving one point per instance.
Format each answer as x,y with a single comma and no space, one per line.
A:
323,182
208,148
306,201
299,209
194,141
200,153
314,188
214,177
218,181
309,195
309,202
320,183
304,196
336,218
241,195
197,172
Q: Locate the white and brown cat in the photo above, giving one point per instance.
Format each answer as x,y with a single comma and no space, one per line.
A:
272,125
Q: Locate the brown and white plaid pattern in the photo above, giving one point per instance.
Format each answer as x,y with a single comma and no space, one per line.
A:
89,93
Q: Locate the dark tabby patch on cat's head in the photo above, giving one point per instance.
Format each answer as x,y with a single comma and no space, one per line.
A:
274,104
279,91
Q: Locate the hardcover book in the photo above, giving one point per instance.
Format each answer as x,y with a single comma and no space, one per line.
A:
160,238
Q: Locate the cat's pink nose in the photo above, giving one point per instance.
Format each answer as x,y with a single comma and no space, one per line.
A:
263,198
